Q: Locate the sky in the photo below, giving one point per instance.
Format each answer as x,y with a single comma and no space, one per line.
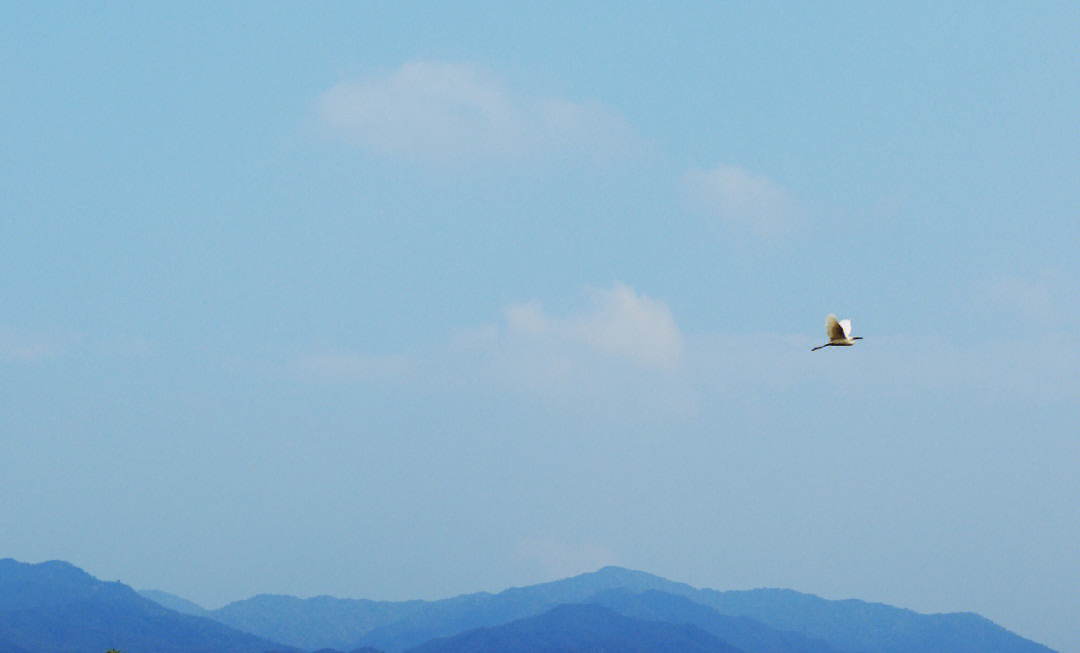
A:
410,300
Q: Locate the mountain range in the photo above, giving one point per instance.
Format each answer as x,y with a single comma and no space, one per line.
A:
54,607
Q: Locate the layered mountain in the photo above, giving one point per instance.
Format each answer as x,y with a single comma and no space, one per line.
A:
345,624
854,625
765,620
742,632
54,607
175,603
849,625
319,622
581,628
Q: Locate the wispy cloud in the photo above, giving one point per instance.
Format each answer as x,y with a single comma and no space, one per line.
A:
622,348
454,113
738,197
619,323
622,354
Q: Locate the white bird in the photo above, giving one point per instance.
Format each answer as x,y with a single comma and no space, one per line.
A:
839,333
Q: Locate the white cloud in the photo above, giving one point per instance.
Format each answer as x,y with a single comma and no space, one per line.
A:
454,113
620,323
620,355
737,196
624,358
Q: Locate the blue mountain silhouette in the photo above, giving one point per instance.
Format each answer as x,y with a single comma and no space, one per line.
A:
54,607
581,628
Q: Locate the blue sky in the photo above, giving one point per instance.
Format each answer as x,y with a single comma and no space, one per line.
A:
407,301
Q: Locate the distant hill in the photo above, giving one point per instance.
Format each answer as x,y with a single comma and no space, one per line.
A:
742,632
345,624
783,620
580,629
315,623
54,607
854,625
580,587
450,616
174,602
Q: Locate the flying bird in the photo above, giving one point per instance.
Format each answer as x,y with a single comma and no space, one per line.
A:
839,333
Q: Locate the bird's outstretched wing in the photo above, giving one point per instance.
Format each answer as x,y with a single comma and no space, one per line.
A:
833,329
846,326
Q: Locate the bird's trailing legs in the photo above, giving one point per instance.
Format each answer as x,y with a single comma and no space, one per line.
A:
838,333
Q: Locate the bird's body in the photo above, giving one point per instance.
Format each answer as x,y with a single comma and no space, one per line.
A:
839,333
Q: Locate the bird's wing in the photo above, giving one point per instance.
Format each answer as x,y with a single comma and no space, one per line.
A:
833,329
846,326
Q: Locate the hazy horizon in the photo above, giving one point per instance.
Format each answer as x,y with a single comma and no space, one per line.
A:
406,301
